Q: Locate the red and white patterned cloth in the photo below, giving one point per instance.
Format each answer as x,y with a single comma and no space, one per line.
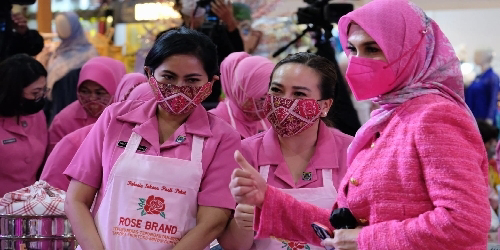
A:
37,199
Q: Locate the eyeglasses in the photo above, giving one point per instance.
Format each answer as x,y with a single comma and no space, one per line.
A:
39,94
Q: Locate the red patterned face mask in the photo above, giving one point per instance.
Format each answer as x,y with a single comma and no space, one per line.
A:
179,100
254,109
290,117
94,107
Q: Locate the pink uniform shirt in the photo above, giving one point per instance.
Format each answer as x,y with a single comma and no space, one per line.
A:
422,183
104,144
61,156
68,120
331,153
22,150
142,92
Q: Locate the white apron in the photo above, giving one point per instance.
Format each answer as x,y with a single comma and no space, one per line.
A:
233,123
150,202
323,197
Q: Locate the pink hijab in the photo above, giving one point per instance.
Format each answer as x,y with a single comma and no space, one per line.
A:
142,92
99,72
398,27
127,84
116,66
244,76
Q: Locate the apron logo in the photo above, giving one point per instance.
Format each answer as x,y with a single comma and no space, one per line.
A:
292,245
9,141
306,176
153,205
123,144
180,139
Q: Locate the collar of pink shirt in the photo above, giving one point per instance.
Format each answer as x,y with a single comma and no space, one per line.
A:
144,117
325,156
10,124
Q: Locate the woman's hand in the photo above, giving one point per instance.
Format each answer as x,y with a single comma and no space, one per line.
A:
343,239
247,186
243,215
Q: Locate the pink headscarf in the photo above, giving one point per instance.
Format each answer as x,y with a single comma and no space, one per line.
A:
116,66
95,70
398,27
142,92
127,84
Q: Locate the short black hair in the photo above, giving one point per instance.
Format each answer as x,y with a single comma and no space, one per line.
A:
324,67
487,131
18,72
184,41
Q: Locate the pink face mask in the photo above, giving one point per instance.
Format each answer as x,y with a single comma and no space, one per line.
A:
254,109
179,100
290,117
94,107
369,78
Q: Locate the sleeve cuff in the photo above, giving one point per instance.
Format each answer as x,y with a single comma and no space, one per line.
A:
83,176
265,214
216,201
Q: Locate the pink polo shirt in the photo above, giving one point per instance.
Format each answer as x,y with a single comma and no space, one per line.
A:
23,144
99,151
331,153
68,120
61,156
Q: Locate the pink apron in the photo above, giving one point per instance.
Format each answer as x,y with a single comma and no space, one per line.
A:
323,197
150,202
233,123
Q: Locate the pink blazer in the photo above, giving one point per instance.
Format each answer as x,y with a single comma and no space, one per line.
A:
421,184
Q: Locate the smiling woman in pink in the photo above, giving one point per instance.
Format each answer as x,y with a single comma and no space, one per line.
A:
245,81
300,154
65,149
23,129
96,88
159,168
418,173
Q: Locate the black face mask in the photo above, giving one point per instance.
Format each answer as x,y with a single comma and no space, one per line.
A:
29,107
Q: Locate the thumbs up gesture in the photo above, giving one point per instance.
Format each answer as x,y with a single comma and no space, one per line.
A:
247,186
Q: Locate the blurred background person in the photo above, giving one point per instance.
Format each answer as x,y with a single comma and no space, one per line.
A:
64,64
226,35
482,95
15,36
245,81
63,152
23,130
96,88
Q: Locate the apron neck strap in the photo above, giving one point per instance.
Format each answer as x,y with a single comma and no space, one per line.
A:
197,148
133,143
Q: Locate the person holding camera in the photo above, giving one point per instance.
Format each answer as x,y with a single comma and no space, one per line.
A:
15,36
417,174
226,37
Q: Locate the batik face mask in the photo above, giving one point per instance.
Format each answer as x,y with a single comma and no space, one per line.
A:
94,107
179,100
290,117
254,109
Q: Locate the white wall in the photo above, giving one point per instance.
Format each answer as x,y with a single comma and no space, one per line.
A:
475,28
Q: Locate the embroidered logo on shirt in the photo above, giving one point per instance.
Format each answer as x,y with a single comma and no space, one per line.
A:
180,139
24,124
9,141
123,144
306,176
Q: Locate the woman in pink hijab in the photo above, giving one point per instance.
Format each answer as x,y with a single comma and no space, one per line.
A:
245,81
66,148
418,173
96,87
